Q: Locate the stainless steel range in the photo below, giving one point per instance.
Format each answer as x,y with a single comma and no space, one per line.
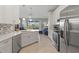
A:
56,37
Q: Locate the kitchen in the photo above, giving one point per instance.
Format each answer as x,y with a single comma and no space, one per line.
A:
14,37
65,29
20,26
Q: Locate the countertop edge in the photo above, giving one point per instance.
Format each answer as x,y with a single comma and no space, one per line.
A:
7,36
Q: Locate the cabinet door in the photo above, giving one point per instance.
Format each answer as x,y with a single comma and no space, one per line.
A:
9,13
16,43
2,11
29,37
6,46
18,38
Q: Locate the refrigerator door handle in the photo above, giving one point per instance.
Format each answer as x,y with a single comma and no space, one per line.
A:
66,33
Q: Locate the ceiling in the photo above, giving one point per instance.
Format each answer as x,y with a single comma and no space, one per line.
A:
36,11
71,10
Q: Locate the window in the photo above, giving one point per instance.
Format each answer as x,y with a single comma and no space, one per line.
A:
33,25
29,24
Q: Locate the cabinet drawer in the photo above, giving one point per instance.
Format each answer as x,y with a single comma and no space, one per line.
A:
6,46
4,42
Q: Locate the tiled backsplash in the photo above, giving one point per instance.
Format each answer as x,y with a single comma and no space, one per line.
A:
6,28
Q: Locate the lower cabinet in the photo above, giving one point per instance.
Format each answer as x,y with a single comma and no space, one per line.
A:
6,46
29,37
16,43
11,45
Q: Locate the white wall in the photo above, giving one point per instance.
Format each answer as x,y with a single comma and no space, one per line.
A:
9,13
49,23
52,19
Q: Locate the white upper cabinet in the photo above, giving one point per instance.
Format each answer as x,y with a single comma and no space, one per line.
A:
2,9
11,11
9,14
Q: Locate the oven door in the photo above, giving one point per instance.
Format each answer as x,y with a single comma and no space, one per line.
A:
56,40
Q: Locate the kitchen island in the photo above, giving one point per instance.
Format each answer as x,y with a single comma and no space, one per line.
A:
29,37
14,41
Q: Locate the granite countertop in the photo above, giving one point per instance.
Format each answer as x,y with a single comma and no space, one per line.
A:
9,35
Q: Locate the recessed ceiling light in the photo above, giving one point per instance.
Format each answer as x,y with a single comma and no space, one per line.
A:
23,18
30,20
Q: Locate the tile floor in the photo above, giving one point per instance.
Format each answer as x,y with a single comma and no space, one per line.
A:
43,46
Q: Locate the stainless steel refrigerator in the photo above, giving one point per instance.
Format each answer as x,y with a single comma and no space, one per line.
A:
69,35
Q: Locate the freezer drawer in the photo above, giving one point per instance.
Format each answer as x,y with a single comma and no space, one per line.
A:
62,46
